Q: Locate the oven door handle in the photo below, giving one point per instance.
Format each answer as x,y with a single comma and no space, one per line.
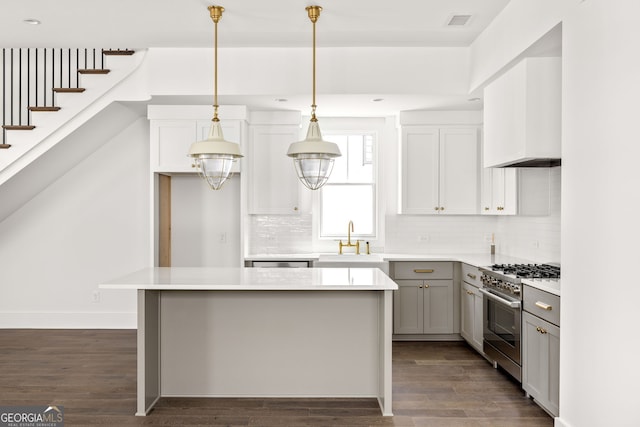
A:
512,304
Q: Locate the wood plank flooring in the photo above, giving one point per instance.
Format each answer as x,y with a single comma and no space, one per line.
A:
92,373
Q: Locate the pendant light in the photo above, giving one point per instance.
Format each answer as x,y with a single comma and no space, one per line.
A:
214,156
313,157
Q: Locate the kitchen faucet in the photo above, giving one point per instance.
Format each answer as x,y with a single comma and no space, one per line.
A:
349,244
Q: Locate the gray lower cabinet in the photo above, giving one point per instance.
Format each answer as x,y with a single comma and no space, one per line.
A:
423,307
541,361
471,315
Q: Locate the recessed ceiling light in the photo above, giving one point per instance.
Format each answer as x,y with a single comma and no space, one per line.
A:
378,99
31,21
281,99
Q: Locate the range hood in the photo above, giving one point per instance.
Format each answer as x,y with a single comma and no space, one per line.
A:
533,163
522,115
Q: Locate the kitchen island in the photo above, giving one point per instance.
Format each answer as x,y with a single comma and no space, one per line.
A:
254,332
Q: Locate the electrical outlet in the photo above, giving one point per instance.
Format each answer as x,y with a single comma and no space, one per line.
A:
96,296
424,238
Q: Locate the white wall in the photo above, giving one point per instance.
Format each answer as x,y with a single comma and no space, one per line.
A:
89,226
205,224
599,370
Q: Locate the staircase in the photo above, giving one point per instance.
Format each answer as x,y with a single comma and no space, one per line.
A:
31,79
59,106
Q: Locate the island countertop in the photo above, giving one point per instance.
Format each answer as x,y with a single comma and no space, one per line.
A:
254,279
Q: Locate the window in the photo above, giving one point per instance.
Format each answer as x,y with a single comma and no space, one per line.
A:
350,193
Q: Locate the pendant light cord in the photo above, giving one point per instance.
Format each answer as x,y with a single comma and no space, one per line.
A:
215,72
313,106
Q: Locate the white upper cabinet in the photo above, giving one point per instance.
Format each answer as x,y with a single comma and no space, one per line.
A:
499,191
174,128
522,114
273,184
440,170
516,191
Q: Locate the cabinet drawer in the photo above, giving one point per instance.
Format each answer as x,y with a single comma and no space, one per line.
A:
423,270
542,304
471,275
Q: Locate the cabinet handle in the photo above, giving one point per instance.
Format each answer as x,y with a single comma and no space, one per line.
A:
420,286
441,208
295,208
472,276
436,208
543,306
426,286
541,330
486,208
420,270
469,293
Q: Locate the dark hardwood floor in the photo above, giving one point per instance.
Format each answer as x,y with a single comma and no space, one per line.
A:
92,373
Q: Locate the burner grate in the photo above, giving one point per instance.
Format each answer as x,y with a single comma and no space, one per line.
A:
529,271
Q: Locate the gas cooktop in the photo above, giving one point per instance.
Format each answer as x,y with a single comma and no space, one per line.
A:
527,271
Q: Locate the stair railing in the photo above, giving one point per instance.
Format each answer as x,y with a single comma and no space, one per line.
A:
31,78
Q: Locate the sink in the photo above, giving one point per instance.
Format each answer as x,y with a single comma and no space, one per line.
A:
350,258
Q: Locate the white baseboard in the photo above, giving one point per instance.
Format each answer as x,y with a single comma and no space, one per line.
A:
56,320
558,422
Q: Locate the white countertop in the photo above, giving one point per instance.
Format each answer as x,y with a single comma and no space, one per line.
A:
254,279
547,285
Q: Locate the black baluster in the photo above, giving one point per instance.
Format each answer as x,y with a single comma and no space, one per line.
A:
11,86
77,67
36,78
20,86
28,85
69,66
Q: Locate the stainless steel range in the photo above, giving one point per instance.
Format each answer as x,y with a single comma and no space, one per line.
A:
502,301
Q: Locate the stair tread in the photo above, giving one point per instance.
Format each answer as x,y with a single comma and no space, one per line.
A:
69,89
36,108
18,127
4,146
115,52
94,71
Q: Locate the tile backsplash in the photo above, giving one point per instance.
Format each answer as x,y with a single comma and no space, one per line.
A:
533,238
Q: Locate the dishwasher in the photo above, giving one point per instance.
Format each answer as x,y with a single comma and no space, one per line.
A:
280,264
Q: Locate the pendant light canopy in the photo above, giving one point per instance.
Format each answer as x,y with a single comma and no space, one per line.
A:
214,157
313,157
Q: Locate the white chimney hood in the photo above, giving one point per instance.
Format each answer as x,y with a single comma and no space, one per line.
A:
522,115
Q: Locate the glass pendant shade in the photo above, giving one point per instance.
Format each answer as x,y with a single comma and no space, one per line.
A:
214,157
313,157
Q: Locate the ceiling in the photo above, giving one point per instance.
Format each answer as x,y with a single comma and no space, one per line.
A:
256,23
279,23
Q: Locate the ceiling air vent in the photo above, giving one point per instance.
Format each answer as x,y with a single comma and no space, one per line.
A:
458,20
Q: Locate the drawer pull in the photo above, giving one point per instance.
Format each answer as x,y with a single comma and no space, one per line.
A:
469,293
543,306
541,330
421,270
472,276
426,286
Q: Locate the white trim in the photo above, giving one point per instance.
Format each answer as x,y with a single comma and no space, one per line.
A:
75,320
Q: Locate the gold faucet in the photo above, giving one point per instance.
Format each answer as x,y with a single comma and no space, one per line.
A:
349,244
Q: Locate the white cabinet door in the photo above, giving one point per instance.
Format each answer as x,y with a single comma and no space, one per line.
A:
439,170
471,316
170,142
438,307
274,185
408,307
499,191
420,170
540,361
459,171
